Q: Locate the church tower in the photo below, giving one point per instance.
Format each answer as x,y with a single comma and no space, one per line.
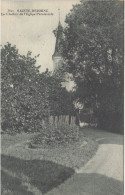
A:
57,56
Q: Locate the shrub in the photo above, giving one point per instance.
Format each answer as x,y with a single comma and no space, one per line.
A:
57,131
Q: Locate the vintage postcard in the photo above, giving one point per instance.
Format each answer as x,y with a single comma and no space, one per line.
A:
62,86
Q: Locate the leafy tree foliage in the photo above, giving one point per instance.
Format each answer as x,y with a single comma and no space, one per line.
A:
93,51
24,92
60,100
28,96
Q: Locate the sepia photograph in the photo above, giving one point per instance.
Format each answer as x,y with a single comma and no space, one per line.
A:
62,97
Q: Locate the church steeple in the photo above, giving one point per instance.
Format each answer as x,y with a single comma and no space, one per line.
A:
57,56
59,15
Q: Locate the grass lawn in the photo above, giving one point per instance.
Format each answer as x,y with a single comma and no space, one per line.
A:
27,171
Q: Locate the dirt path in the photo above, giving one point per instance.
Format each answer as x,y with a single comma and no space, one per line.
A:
103,174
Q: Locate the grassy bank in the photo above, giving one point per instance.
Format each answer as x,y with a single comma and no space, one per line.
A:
37,170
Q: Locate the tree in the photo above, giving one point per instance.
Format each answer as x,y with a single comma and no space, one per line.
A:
24,92
93,52
28,96
60,100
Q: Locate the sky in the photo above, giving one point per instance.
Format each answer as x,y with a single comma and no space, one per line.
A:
34,33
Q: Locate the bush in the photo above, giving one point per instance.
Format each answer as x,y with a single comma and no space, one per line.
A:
57,132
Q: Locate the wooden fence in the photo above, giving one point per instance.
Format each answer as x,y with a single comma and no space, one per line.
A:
68,120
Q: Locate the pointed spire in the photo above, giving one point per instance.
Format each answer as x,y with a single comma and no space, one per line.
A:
59,24
59,37
59,14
